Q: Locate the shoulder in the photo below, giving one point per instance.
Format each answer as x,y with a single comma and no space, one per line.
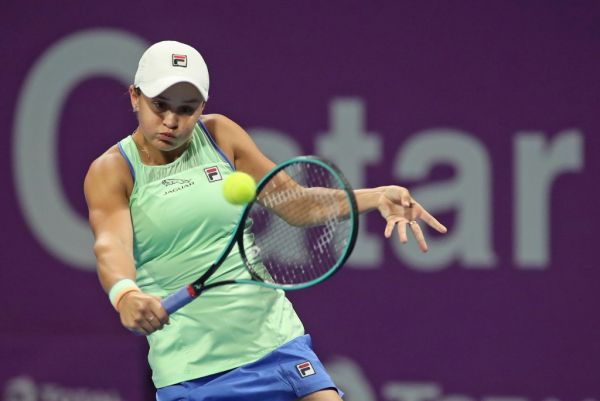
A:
227,134
238,145
109,171
111,161
219,124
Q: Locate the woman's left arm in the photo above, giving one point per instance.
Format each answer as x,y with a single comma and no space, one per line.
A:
395,204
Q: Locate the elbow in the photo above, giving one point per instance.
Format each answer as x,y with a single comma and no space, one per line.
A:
101,246
106,244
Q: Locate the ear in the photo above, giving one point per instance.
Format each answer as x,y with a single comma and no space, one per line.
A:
134,97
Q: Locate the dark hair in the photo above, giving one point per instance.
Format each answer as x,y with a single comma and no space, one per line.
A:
138,91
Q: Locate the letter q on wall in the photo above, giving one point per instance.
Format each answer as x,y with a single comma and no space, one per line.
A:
59,228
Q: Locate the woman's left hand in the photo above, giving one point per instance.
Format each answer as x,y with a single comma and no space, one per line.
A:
399,209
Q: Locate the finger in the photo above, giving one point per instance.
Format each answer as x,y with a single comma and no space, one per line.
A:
389,228
163,316
148,328
402,232
138,331
433,222
407,200
160,312
399,195
133,323
418,233
144,328
145,323
154,322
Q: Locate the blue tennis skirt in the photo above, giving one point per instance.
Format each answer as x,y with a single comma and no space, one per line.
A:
288,373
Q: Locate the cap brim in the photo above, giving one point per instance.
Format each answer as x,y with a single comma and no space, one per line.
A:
157,87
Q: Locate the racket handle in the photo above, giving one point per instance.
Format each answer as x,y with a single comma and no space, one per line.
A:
177,300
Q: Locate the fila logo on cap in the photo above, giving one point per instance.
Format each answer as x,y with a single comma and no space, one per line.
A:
179,60
305,369
213,174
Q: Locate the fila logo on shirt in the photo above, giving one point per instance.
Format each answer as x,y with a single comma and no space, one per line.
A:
213,174
305,369
179,60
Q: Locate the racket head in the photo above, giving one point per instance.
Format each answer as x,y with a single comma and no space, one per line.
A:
290,257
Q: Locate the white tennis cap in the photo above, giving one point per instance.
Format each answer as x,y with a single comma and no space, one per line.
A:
166,63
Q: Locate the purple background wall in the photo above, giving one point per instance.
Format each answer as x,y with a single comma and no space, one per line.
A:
487,110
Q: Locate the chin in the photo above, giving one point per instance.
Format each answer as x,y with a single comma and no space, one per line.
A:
167,146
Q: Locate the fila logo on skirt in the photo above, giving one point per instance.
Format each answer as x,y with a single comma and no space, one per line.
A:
305,369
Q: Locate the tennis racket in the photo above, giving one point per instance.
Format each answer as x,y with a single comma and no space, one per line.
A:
297,232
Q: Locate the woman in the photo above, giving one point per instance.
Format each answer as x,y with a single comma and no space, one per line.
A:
158,220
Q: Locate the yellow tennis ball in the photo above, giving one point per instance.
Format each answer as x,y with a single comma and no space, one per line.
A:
239,188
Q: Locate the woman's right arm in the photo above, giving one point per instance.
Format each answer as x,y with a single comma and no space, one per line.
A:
106,192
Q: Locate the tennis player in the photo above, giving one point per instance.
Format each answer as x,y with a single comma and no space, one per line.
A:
158,217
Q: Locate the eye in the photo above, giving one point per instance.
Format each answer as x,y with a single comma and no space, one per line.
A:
187,110
159,105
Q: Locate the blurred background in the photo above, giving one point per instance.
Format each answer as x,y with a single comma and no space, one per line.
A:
487,110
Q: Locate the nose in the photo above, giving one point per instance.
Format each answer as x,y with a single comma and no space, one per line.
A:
170,119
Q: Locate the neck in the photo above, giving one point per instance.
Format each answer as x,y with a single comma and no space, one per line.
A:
156,157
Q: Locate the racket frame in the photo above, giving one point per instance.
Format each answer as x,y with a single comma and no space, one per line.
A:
186,294
352,215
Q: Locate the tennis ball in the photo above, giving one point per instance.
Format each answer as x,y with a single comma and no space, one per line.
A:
239,188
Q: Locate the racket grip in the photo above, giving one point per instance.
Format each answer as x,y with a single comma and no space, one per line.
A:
177,300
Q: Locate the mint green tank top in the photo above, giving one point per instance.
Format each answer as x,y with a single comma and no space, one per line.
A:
181,223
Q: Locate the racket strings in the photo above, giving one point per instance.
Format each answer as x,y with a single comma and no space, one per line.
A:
300,227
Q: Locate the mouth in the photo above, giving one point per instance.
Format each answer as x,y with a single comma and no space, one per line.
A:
166,136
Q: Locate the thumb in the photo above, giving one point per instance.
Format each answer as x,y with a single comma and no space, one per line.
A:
399,195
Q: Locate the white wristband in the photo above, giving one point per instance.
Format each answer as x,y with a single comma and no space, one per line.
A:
121,288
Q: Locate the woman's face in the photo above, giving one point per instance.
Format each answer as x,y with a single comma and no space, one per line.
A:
167,120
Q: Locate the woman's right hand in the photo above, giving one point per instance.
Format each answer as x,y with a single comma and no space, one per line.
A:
142,313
